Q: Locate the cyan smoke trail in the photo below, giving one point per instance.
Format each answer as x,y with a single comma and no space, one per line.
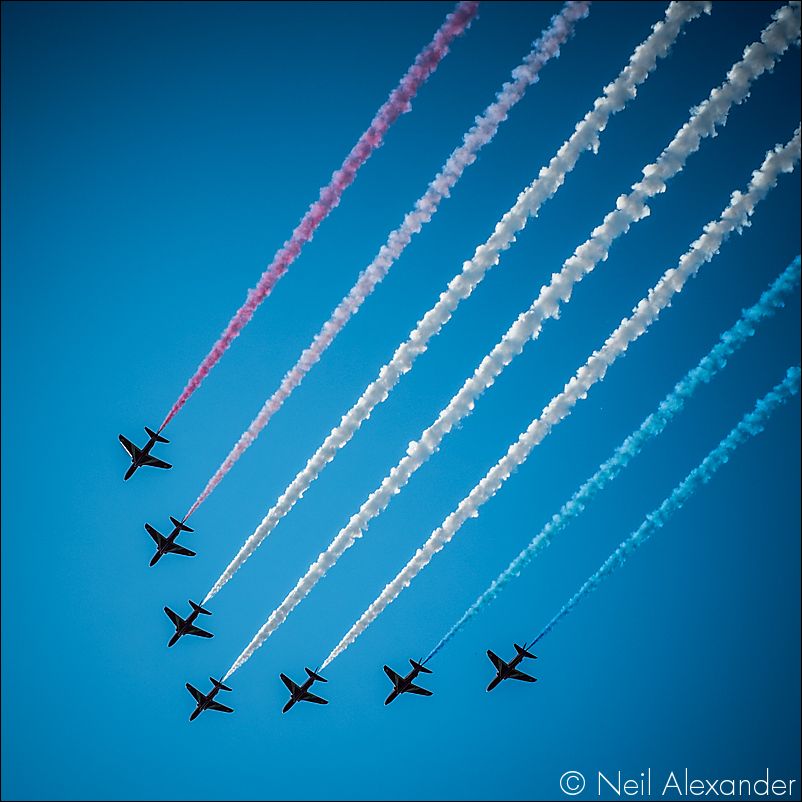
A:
715,360
479,135
397,104
759,57
751,424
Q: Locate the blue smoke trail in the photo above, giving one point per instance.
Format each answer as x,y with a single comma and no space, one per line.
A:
751,424
729,342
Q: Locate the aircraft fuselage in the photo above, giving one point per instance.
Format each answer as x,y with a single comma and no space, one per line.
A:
506,672
163,549
139,460
302,689
403,686
204,703
183,628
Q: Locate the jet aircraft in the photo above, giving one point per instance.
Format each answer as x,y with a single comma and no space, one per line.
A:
167,545
185,626
206,702
141,456
406,684
509,670
300,693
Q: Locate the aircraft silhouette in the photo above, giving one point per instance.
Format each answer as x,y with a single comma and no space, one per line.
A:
509,670
406,684
206,701
167,545
141,456
185,626
300,693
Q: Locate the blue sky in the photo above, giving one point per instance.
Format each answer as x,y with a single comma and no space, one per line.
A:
154,158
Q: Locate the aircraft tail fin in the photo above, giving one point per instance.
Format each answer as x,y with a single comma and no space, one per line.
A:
156,436
523,652
314,676
218,684
198,608
181,525
420,667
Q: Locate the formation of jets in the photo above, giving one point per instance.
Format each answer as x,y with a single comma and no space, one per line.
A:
298,693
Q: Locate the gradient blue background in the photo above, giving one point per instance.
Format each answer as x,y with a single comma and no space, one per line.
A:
154,158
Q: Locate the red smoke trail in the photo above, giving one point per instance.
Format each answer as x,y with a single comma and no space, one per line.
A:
399,102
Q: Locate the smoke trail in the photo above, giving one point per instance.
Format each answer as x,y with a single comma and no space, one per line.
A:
714,361
751,425
630,208
734,217
586,136
398,103
483,130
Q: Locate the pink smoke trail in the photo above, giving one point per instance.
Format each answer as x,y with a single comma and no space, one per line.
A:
482,131
398,103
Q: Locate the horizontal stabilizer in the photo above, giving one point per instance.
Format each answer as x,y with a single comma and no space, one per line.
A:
156,436
523,652
197,608
181,526
314,676
420,667
218,684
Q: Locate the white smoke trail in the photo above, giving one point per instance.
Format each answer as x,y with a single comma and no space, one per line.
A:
734,218
715,360
630,208
751,425
480,134
586,136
